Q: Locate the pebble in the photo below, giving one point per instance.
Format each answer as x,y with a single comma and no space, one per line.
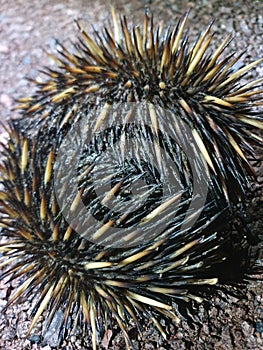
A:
34,338
259,327
2,303
51,335
6,100
4,48
27,60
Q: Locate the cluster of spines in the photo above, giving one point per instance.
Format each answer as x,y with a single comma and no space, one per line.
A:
161,67
127,284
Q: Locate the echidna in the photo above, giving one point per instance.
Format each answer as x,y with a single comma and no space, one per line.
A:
159,66
131,107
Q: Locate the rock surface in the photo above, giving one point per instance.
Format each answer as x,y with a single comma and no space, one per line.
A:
27,29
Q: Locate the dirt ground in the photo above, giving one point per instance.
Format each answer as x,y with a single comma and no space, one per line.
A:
27,29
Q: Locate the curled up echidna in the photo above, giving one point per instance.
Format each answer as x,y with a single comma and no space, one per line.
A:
117,180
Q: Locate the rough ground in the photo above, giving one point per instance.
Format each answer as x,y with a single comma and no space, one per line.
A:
27,28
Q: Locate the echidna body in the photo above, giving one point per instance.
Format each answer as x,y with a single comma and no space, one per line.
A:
86,275
98,283
160,67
